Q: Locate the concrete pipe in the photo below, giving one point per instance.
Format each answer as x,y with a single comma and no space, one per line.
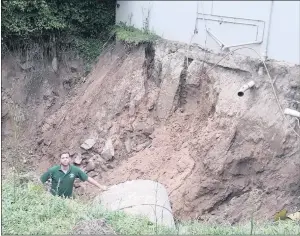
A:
141,198
245,88
291,112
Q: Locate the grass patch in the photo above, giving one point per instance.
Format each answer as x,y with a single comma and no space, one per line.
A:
271,228
132,35
28,209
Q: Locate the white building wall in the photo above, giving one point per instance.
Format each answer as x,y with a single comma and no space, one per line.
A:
176,20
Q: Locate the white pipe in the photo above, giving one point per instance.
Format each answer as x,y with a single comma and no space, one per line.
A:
216,39
196,23
242,44
269,29
291,112
222,45
245,88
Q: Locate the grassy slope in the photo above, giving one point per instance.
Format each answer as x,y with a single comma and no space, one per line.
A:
29,209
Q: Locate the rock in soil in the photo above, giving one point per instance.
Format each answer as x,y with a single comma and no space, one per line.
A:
88,144
93,174
109,166
108,150
78,159
76,184
128,145
90,166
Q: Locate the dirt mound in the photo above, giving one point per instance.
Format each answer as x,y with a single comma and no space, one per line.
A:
173,119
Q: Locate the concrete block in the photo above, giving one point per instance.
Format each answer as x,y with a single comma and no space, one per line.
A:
139,197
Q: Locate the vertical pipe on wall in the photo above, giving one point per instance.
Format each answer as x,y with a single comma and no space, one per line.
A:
269,29
196,23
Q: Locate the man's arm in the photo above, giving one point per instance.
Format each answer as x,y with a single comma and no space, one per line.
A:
45,176
94,182
84,177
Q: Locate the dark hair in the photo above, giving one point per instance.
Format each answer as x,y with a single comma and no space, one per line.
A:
64,153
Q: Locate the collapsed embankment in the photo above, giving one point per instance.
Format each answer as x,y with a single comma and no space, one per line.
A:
160,112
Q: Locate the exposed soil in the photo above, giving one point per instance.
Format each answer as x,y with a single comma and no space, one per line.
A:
221,157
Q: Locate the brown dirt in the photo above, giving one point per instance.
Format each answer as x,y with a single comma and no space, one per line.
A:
220,156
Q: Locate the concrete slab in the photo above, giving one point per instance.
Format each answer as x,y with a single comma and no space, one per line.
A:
140,197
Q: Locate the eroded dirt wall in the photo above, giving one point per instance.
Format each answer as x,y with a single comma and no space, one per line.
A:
171,118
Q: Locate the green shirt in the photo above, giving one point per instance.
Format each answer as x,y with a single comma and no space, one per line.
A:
62,183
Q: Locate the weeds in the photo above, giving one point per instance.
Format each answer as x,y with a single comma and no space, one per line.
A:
131,35
35,211
89,49
271,228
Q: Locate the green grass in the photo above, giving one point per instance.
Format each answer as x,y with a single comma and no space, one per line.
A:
271,228
28,209
132,35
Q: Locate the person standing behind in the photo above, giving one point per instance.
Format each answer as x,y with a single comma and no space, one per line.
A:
64,175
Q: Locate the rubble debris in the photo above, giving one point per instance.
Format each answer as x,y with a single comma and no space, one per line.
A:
78,159
90,166
109,166
108,150
88,144
93,173
128,145
142,146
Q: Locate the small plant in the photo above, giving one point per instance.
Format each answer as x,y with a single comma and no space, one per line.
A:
132,35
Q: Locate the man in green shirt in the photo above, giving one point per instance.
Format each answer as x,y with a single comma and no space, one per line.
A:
63,177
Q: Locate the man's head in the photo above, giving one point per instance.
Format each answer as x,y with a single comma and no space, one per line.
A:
65,159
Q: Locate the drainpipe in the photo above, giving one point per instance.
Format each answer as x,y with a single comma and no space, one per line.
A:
265,55
221,44
196,23
245,87
291,112
242,44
